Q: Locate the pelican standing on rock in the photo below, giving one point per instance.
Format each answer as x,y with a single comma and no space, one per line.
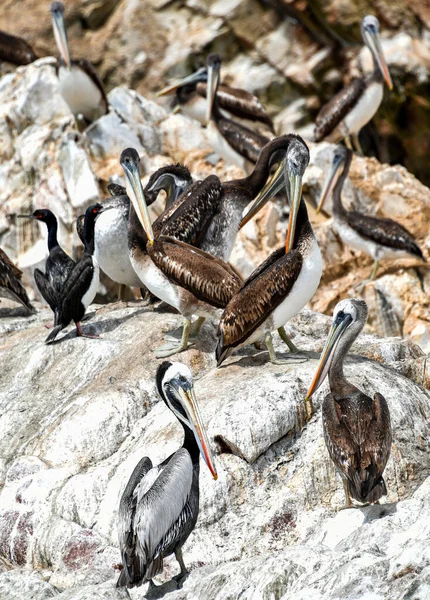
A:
356,104
58,265
80,84
80,288
160,504
378,237
357,428
285,282
10,282
183,276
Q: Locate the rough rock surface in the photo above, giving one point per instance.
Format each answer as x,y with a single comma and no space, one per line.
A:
81,413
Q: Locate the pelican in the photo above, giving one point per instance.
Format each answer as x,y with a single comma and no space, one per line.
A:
80,288
160,504
10,283
58,265
354,106
357,428
234,142
15,50
80,84
281,286
192,281
111,229
379,238
191,95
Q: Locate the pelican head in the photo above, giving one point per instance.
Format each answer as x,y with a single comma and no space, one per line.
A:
213,63
173,179
57,12
371,37
175,386
337,163
198,76
130,162
289,174
349,318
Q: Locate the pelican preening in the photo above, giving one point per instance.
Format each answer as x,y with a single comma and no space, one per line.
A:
354,106
357,428
378,237
10,283
191,94
283,284
80,84
80,287
58,265
160,504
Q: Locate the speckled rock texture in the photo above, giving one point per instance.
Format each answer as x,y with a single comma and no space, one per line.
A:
76,417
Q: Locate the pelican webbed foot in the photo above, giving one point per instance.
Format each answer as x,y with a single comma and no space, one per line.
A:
173,347
277,361
295,353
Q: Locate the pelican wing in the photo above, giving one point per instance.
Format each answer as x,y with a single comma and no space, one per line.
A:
262,292
241,103
357,431
15,50
10,281
246,142
91,71
205,276
385,232
193,215
337,108
161,509
169,212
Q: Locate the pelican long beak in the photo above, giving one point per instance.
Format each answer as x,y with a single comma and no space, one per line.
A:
272,187
196,77
373,42
338,327
330,182
296,184
213,80
61,36
189,402
135,193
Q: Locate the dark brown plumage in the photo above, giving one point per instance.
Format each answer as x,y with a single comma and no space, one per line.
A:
10,282
15,50
337,108
245,141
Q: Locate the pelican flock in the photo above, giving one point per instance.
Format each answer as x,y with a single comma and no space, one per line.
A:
181,255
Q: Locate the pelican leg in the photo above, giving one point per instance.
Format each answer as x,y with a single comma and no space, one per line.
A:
170,348
184,571
356,143
121,292
294,351
80,333
348,503
272,354
374,270
360,287
195,328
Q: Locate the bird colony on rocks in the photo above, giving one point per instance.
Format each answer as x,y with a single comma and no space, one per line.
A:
101,492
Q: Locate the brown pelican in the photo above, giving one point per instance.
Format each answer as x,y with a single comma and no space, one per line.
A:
281,286
160,504
192,281
58,265
234,142
357,428
10,282
379,238
15,50
80,84
80,287
191,94
351,108
111,229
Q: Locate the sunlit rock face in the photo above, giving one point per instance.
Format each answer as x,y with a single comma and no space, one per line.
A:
78,415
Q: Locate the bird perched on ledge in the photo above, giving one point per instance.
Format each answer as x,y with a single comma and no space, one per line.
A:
160,504
357,428
353,107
